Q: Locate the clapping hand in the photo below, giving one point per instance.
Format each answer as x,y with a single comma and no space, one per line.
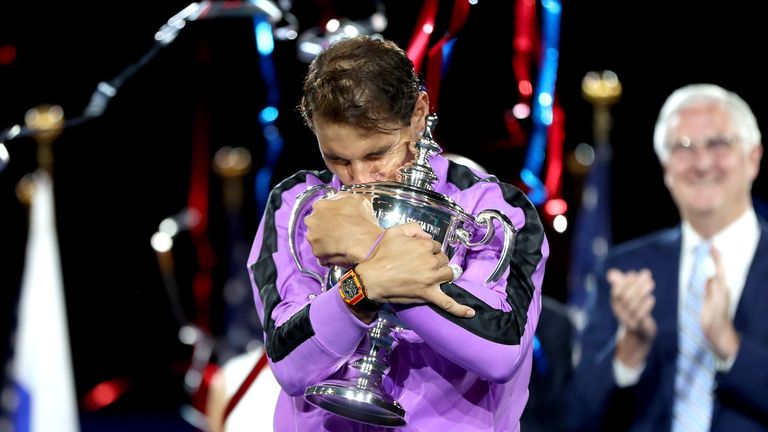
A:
632,301
716,322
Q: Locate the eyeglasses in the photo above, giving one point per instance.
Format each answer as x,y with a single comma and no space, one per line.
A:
685,148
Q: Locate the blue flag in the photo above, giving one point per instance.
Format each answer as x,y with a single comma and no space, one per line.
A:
591,236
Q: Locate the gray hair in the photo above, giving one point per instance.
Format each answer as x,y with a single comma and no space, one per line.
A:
692,94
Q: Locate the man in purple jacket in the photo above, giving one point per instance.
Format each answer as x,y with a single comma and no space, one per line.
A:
464,362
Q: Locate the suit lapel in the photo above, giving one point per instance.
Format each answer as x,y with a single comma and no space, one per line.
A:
754,292
666,275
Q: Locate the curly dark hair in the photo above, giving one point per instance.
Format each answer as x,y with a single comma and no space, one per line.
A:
365,82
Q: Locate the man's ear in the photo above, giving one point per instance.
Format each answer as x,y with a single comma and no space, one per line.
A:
753,162
667,177
420,111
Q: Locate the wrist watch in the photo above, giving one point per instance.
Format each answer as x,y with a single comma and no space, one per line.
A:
353,292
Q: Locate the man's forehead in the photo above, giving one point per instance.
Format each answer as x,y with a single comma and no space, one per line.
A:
701,117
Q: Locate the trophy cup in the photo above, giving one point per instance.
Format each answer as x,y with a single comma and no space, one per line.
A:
360,397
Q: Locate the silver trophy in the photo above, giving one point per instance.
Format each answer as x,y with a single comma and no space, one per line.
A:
359,396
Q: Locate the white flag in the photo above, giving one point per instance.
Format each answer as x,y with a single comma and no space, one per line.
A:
42,364
255,411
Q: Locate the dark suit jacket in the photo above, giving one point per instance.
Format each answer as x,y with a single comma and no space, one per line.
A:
741,397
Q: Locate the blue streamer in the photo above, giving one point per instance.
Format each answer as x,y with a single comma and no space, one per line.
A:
543,100
265,45
447,50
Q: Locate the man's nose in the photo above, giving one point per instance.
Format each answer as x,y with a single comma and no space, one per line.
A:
703,157
362,172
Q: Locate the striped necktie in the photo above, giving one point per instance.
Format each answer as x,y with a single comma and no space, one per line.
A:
694,380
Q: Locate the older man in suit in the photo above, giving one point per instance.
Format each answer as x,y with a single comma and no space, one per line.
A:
678,336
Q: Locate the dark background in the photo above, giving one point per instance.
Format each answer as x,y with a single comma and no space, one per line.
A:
118,176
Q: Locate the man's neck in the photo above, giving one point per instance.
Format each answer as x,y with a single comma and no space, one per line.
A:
707,225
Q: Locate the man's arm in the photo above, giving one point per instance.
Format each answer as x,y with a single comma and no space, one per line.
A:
744,383
494,343
309,333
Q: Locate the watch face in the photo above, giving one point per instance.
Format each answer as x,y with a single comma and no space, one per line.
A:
348,287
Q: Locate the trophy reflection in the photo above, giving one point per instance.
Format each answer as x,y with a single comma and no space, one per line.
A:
359,396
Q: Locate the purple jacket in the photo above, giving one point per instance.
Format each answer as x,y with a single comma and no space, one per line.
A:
449,373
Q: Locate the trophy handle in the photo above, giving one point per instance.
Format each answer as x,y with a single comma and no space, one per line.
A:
298,207
485,218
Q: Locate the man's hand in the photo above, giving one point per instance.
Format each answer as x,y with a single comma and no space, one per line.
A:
632,301
716,322
341,229
408,267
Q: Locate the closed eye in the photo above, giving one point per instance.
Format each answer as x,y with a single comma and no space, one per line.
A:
337,161
375,156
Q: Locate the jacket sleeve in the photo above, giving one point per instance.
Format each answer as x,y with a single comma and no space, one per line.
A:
744,386
495,342
306,329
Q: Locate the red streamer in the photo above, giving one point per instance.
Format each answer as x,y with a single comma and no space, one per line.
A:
435,56
198,201
422,32
555,139
523,44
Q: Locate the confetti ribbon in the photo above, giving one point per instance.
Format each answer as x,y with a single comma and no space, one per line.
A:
543,102
274,141
425,25
440,53
522,59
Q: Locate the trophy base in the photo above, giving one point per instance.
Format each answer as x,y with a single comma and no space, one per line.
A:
365,405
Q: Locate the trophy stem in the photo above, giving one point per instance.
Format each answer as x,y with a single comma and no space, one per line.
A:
376,362
360,398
